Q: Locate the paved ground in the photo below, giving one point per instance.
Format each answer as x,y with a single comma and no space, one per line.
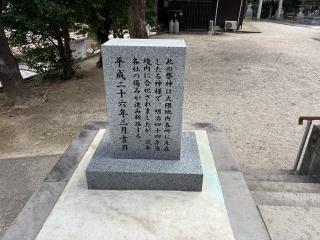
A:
252,85
19,178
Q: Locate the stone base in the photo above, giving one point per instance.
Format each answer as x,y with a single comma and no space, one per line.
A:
106,173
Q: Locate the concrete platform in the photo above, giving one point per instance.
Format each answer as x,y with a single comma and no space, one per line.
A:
245,221
96,214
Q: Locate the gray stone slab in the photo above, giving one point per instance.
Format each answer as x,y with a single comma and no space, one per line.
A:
294,223
254,176
70,159
286,199
219,144
244,217
284,187
222,152
32,217
260,171
185,174
144,85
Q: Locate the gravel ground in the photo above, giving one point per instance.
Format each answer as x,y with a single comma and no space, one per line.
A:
254,86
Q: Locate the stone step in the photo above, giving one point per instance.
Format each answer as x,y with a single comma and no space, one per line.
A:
291,223
289,199
258,171
290,177
283,187
246,221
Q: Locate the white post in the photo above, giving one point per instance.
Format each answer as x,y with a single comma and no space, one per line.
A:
259,9
279,9
215,17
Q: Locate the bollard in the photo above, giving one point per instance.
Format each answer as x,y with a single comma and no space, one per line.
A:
211,26
176,27
171,26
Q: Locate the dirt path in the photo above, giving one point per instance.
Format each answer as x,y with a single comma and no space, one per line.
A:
49,128
254,86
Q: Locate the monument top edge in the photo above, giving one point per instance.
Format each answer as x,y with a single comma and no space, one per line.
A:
146,42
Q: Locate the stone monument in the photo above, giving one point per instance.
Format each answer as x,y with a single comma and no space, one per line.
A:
144,146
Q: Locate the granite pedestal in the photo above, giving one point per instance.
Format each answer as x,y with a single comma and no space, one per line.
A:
105,172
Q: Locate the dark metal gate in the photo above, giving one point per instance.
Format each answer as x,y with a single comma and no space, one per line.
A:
192,15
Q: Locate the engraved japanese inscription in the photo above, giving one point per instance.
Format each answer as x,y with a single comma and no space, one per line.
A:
144,86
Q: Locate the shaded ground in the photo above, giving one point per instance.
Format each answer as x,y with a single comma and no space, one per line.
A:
252,85
19,178
49,128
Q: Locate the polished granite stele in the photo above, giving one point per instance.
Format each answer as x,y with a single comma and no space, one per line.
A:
85,214
144,82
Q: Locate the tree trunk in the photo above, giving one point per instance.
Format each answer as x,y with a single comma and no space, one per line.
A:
103,36
10,76
61,49
68,70
136,19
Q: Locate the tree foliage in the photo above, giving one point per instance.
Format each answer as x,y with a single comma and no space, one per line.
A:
101,17
114,16
315,3
292,6
151,12
41,29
